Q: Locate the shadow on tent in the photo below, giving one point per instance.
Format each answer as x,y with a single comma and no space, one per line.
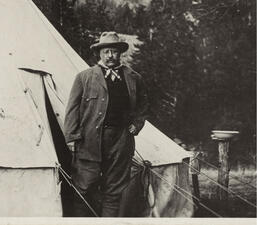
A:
64,157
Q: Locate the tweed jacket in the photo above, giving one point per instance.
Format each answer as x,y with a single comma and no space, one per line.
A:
87,106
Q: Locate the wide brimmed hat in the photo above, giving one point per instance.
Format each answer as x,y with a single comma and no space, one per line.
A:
110,39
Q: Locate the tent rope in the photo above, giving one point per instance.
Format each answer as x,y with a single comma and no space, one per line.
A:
223,187
176,187
68,179
215,167
140,156
147,166
53,90
146,176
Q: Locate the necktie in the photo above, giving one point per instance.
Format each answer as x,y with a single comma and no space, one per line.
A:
111,72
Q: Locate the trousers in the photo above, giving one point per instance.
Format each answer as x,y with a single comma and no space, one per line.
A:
102,183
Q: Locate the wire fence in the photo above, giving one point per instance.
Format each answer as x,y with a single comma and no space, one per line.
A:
230,176
180,190
223,187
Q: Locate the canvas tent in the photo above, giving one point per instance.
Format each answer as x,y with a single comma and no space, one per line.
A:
37,70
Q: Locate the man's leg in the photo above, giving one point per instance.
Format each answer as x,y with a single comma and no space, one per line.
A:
117,149
85,177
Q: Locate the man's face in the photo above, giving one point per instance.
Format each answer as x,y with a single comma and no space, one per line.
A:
110,56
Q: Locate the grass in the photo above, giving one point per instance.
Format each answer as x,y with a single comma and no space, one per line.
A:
233,207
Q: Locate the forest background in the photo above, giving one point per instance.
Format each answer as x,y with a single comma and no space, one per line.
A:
198,58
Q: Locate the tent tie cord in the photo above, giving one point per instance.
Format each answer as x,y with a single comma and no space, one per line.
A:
235,178
69,181
52,80
223,187
145,176
146,180
53,89
140,156
176,187
146,171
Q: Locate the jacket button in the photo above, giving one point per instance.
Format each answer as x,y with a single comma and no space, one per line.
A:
96,127
87,99
102,99
100,113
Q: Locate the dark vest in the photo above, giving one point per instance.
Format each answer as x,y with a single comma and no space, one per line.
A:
119,105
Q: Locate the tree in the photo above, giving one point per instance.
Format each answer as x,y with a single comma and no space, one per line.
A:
197,58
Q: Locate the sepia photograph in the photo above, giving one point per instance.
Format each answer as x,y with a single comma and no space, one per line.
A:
131,111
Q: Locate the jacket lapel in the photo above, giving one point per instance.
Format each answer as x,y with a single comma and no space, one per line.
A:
100,77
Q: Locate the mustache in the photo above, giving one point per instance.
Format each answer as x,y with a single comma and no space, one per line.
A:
110,60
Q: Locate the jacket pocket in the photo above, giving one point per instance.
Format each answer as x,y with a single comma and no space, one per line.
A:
89,96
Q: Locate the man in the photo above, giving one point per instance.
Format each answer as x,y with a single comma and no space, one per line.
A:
106,108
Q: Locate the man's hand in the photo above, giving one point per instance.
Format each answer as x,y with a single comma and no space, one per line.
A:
132,129
71,146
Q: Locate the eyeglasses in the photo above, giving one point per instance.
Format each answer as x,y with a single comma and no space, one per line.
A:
110,51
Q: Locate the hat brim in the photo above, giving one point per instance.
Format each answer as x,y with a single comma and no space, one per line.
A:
123,46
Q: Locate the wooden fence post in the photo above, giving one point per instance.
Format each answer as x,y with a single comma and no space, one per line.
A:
223,138
195,170
223,172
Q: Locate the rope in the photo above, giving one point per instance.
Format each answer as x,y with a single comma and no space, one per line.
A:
67,178
235,178
176,187
145,172
140,156
62,170
145,175
137,162
223,187
54,91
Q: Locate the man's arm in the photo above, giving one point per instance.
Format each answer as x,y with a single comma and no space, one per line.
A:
72,131
142,107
